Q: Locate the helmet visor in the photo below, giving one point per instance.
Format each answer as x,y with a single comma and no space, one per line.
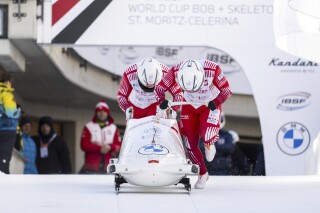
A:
147,88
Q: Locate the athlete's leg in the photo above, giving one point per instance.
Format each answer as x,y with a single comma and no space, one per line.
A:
190,130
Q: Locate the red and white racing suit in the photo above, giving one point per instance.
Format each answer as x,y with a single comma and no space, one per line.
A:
144,103
196,120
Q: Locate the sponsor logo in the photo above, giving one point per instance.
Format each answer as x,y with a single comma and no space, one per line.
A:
128,55
168,55
184,116
153,149
296,63
293,138
293,101
225,61
294,66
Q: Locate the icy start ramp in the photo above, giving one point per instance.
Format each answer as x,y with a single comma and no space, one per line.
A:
95,193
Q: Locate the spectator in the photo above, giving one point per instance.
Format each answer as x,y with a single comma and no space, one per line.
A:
29,150
18,141
240,162
9,115
100,140
259,169
52,152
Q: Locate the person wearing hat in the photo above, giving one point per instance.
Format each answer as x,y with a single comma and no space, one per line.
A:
100,140
52,152
9,115
28,147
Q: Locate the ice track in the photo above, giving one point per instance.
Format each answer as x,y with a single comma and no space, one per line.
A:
95,193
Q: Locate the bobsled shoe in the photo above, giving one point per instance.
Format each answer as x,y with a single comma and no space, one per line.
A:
202,179
210,151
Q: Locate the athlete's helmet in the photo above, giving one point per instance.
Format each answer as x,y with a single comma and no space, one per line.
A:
149,74
190,76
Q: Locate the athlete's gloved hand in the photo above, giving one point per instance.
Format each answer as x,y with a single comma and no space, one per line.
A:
212,106
164,104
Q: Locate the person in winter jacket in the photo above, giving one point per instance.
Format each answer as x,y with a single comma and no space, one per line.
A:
28,148
202,81
100,140
52,152
9,118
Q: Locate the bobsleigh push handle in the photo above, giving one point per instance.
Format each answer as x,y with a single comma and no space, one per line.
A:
177,103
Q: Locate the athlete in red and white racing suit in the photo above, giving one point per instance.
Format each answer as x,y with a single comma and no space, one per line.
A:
136,90
202,82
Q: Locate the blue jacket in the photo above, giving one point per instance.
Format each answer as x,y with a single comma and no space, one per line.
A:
30,153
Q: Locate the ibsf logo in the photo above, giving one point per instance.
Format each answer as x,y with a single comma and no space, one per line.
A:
153,149
293,138
293,101
167,51
168,55
225,61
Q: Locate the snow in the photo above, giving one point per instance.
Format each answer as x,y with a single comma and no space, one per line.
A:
95,193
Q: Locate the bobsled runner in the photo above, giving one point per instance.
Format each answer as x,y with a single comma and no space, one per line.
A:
152,154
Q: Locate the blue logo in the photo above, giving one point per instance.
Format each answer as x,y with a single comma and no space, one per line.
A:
153,149
293,138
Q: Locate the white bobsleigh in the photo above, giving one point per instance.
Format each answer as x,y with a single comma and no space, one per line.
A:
152,155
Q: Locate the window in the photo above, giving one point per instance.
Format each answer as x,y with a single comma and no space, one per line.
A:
3,21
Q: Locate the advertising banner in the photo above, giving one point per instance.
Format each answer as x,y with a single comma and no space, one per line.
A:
285,87
118,59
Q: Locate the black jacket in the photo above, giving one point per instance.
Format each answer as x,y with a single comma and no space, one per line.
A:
58,159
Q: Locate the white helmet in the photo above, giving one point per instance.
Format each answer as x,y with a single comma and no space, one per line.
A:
149,74
190,76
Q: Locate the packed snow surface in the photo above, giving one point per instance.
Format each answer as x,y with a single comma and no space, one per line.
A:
95,193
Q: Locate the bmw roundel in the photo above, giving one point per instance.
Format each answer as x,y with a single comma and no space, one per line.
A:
293,138
153,149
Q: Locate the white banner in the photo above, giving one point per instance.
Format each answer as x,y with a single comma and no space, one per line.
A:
285,87
117,60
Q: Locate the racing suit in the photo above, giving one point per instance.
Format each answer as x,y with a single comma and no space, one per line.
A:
199,120
143,103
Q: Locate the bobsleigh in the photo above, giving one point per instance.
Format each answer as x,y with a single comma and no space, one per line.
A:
152,155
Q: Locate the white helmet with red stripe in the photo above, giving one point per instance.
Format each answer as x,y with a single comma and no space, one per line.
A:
190,76
149,74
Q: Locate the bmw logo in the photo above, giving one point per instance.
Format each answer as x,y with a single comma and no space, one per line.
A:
154,149
293,138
